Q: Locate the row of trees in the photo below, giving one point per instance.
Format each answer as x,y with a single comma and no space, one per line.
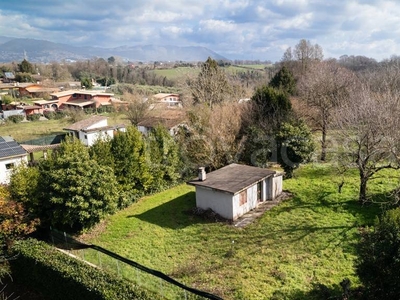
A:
77,186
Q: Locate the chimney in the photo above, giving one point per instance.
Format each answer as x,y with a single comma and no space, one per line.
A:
202,174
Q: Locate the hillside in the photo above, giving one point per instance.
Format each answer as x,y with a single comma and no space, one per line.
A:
14,49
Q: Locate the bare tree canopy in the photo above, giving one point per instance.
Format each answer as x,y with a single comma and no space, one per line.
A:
326,86
211,85
369,138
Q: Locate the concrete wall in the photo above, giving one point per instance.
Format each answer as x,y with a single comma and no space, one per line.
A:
219,202
277,185
239,210
6,173
88,139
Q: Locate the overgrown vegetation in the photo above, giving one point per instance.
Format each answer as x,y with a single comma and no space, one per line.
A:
58,276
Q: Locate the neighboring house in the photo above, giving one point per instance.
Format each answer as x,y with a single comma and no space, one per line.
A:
171,119
46,105
148,124
11,155
8,77
236,189
171,100
30,109
82,99
35,90
92,129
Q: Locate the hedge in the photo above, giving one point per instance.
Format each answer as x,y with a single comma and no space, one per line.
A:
56,275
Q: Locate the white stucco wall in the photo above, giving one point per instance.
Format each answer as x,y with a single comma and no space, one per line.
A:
239,210
277,185
4,173
88,139
219,202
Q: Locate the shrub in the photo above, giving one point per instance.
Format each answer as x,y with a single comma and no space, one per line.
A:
378,263
15,118
59,276
34,117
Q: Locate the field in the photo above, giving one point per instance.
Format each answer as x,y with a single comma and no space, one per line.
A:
307,240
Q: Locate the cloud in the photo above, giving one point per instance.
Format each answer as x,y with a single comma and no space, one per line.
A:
235,28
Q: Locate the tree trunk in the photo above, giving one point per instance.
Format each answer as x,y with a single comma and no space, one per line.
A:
362,198
323,141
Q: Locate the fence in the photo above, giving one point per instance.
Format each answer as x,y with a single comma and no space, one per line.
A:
145,277
46,140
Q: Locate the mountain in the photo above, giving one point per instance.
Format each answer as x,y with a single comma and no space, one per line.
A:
15,49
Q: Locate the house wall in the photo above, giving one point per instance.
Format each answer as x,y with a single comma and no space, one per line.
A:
219,202
143,129
6,173
88,139
101,100
251,203
277,185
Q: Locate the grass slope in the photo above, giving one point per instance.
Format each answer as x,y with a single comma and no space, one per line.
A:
306,240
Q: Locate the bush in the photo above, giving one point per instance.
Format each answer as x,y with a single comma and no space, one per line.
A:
56,115
15,118
378,264
58,276
34,117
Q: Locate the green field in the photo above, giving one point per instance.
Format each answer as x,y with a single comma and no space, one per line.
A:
177,73
304,241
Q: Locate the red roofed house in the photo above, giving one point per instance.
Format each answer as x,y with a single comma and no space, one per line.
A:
170,100
82,99
236,189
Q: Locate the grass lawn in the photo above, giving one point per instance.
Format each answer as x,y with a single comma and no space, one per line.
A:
306,240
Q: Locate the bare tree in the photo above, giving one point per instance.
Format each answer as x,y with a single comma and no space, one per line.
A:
211,85
212,134
325,87
137,107
368,134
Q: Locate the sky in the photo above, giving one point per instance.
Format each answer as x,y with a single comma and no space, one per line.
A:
236,29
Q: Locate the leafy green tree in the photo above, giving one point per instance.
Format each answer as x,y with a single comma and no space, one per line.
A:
86,82
164,156
101,152
271,107
23,183
284,80
26,67
294,145
131,165
23,77
378,265
74,190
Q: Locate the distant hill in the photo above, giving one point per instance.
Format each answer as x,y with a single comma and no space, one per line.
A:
14,49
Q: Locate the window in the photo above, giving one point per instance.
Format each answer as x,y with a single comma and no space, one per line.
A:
243,198
9,166
85,137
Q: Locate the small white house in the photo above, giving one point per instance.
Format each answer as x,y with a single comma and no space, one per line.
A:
236,189
92,129
11,155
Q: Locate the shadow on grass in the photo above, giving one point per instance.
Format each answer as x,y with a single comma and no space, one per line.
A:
174,214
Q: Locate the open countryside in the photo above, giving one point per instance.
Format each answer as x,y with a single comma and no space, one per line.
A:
132,135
